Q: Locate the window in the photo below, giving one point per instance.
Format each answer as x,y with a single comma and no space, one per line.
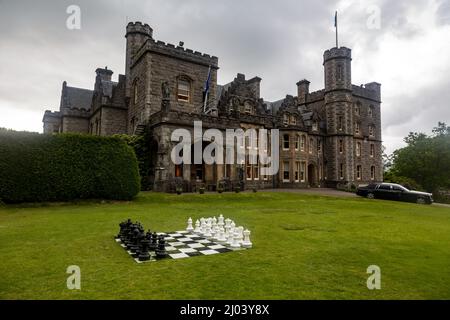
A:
248,168
341,171
340,123
315,126
285,119
297,142
372,173
247,107
372,150
371,131
256,170
302,143
297,171
358,172
357,128
340,73
293,120
358,149
341,146
370,111
302,171
286,171
319,146
135,92
184,90
311,144
358,108
286,142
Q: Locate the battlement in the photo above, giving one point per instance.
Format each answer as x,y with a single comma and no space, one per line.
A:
369,91
138,27
179,52
55,114
316,95
334,53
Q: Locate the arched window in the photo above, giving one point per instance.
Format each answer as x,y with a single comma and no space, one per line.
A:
357,128
341,146
371,131
358,108
340,72
372,173
135,91
370,111
184,89
311,145
341,171
297,142
372,150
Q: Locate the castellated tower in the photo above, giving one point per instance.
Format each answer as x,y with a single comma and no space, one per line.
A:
339,116
137,34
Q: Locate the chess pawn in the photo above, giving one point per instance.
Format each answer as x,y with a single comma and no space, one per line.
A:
217,230
161,250
203,227
154,242
227,222
246,243
214,220
230,238
144,255
221,238
241,233
197,227
189,226
233,226
235,244
213,231
207,233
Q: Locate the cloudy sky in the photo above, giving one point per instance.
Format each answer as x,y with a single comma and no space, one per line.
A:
404,45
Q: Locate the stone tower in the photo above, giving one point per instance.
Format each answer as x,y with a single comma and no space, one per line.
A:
136,35
339,115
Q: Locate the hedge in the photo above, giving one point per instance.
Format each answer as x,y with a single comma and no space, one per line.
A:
36,167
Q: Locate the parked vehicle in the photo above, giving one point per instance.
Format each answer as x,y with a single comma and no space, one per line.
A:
393,191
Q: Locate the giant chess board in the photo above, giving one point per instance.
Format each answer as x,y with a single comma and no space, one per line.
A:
185,244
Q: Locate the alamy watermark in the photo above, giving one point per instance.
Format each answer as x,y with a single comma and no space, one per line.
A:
374,280
74,280
251,147
73,21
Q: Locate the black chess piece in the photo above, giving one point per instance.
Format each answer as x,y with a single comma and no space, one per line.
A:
144,254
129,238
136,250
134,244
154,242
122,227
161,250
148,236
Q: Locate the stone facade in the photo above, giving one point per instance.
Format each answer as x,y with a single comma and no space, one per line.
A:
331,137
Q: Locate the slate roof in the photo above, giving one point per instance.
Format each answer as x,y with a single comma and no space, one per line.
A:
76,98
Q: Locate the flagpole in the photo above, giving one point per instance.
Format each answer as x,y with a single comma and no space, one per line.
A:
336,25
207,89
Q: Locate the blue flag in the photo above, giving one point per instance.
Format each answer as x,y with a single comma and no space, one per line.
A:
335,19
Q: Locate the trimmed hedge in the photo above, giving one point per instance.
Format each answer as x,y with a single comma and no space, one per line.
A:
36,167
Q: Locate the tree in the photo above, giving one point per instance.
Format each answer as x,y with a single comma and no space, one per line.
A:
425,159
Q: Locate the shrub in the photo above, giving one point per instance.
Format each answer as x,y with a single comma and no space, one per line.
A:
36,167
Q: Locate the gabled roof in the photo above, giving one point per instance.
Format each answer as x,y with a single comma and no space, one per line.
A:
76,98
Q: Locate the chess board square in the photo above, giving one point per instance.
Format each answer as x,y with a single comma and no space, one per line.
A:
182,231
209,252
170,248
169,238
188,250
223,250
191,235
161,233
175,235
193,254
184,239
178,255
204,241
177,244
195,245
190,242
216,246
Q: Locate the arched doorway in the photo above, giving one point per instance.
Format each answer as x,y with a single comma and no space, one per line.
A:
312,175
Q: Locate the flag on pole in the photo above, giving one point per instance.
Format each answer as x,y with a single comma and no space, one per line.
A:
335,19
206,90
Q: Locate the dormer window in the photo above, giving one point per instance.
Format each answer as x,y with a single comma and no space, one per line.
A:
247,107
285,119
293,120
315,126
184,90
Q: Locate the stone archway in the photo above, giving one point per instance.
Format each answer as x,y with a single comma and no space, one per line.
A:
312,175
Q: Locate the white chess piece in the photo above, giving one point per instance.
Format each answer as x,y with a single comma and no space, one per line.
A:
189,226
221,238
197,227
235,243
203,227
227,222
232,226
246,243
207,233
230,237
220,222
240,230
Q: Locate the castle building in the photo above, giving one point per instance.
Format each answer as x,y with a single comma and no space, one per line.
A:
330,137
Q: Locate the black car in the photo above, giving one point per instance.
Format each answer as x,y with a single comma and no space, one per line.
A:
392,191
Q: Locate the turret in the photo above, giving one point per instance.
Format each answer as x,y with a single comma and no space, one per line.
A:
137,34
338,68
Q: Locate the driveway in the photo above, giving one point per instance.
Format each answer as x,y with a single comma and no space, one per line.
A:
317,191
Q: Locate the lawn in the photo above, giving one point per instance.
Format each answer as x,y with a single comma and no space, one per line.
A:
305,247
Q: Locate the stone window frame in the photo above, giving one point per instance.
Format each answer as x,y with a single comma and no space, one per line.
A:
358,172
288,142
292,120
339,72
340,123
341,146
358,106
372,172
302,142
248,108
189,81
297,142
371,130
297,171
135,90
372,150
341,171
358,149
319,146
370,111
357,127
302,171
310,145
288,171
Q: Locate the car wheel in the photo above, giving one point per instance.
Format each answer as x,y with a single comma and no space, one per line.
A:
370,195
421,201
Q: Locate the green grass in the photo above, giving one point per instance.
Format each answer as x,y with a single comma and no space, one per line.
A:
305,247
